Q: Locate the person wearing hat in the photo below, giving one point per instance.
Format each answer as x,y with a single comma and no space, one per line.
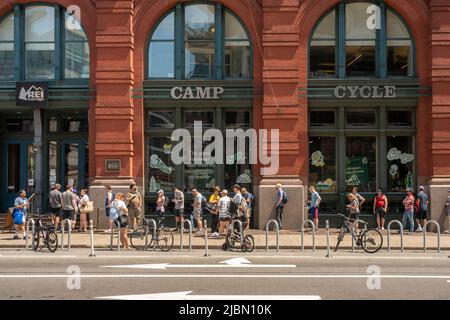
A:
447,206
421,216
408,214
160,207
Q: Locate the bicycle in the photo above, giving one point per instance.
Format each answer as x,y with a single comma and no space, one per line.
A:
233,237
48,235
370,240
139,237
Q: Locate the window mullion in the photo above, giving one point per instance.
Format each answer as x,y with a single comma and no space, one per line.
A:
382,43
18,43
179,42
59,42
341,41
219,39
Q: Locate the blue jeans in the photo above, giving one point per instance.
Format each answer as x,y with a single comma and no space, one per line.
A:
408,215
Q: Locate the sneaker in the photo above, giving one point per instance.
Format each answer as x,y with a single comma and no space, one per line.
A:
419,229
24,238
447,231
382,228
215,235
16,237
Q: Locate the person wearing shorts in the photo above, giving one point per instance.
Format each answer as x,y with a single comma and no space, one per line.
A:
380,205
55,204
197,212
314,206
224,212
422,212
68,204
178,201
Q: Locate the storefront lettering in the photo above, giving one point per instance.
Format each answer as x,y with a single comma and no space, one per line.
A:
365,92
191,93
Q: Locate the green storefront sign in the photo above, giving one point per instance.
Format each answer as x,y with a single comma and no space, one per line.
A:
357,171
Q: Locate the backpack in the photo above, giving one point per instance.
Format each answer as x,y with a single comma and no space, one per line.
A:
113,212
18,217
417,205
242,207
233,208
204,202
285,197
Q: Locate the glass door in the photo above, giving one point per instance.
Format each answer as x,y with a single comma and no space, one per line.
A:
18,171
74,164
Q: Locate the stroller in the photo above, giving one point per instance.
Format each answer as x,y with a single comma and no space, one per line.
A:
233,238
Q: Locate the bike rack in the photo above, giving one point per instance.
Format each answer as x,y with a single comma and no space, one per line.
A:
308,222
241,230
153,222
190,234
277,229
112,237
327,226
27,230
205,226
389,234
438,235
63,227
91,231
356,222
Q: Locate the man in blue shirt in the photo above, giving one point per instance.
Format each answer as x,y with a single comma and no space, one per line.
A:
314,205
249,198
279,206
21,203
421,215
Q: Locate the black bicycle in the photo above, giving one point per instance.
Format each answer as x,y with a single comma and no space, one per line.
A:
370,240
139,238
47,234
233,240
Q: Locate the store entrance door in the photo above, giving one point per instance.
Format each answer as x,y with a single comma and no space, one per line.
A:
18,170
74,163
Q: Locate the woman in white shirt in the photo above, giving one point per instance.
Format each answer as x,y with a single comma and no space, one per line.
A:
119,205
83,213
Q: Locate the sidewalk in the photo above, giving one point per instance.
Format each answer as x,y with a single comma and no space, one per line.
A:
288,240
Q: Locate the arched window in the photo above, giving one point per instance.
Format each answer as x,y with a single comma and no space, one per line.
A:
51,50
361,40
199,41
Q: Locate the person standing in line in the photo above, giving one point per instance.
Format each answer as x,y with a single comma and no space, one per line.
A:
354,206
279,205
118,204
83,212
380,208
178,200
198,211
314,206
360,198
22,204
224,212
160,207
55,204
68,204
421,216
109,197
249,198
408,214
134,204
213,209
76,208
447,206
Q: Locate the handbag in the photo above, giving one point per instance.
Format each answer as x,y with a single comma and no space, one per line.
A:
88,207
18,217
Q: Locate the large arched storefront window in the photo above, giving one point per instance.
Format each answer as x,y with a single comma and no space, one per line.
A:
199,42
51,46
362,139
349,42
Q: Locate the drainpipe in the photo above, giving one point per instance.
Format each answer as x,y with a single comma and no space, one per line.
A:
37,145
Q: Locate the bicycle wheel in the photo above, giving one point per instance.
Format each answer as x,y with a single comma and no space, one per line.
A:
371,241
138,238
164,238
249,244
52,241
340,238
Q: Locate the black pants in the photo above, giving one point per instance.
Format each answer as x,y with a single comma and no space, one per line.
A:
214,223
279,216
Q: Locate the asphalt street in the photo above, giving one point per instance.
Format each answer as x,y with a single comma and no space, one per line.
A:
224,275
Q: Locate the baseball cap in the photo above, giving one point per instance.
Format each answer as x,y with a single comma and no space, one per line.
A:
421,188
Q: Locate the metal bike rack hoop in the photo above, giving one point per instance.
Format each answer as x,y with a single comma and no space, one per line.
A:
190,234
63,227
389,234
308,222
27,229
425,235
277,230
241,231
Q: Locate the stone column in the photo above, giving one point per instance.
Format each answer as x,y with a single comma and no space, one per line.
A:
113,113
440,109
280,110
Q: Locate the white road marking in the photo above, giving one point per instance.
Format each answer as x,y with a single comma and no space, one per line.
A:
275,276
186,295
